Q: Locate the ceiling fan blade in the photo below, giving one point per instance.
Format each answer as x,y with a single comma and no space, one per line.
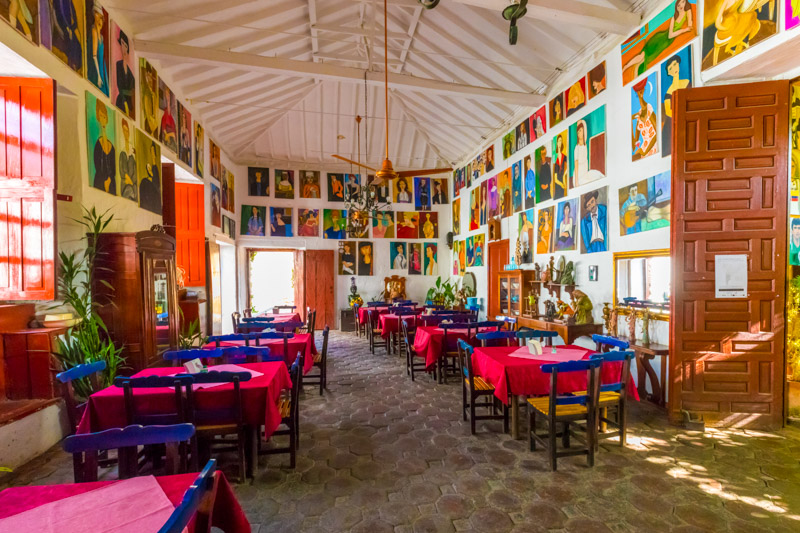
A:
353,162
422,172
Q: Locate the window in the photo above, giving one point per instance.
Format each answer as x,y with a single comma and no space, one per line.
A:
643,276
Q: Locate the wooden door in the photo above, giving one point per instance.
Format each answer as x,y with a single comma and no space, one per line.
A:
190,230
498,257
314,287
729,196
27,189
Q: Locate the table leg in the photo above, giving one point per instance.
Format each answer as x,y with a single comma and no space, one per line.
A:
654,383
514,417
662,400
641,385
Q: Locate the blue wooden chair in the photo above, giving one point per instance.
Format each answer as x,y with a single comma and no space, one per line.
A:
377,304
321,363
231,337
566,410
249,354
474,310
509,321
374,330
605,343
473,388
197,503
178,357
255,325
281,308
430,305
181,385
476,327
84,448
398,338
85,371
266,336
256,319
289,408
614,396
497,338
544,337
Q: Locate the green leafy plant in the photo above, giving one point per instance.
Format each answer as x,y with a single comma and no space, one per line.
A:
193,336
442,293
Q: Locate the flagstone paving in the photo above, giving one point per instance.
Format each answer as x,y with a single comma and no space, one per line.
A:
380,453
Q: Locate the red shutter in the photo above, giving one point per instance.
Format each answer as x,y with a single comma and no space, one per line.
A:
191,232
27,189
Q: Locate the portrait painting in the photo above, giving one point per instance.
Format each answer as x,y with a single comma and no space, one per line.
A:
644,101
474,209
478,166
224,186
401,190
509,144
148,93
231,205
587,147
596,80
462,258
229,227
101,135
663,35
561,166
732,26
354,219
184,135
216,203
529,177
470,242
556,110
478,247
284,184
489,158
148,165
794,240
430,252
98,46
352,186
456,216
794,138
517,189
68,24
23,15
456,247
422,194
645,205
676,73
280,222
45,25
456,174
566,225
308,222
439,195
254,220
126,158
594,221
383,225
504,193
429,225
335,187
199,149
575,96
381,188
215,159
791,18
415,258
492,197
258,181
538,123
123,80
366,258
484,204
544,230
334,223
347,258
168,116
526,233
398,258
544,174
468,174
522,134
407,225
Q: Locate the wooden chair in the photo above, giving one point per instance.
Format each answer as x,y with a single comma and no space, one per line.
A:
320,362
247,313
509,321
567,411
474,310
288,308
252,319
85,448
473,328
255,325
398,339
249,354
359,325
430,305
197,503
606,343
614,396
311,318
231,337
544,337
289,407
288,327
235,318
273,335
88,371
374,331
448,362
497,338
177,357
412,363
474,388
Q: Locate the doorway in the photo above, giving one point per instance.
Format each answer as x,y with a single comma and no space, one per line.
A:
271,275
227,268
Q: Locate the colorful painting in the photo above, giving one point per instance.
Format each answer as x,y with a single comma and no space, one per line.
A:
663,35
645,205
199,149
794,114
566,225
794,240
354,222
230,179
596,80
352,186
594,221
383,225
517,190
398,259
258,181
401,192
382,189
280,222
429,226
439,191
478,247
148,92
215,206
492,198
587,148
676,73
335,187
430,252
126,148
253,217
101,134
68,23
530,182
522,134
525,230
308,222
791,18
184,135
556,110
462,257
484,203
544,230
470,243
509,144
215,159
561,174
224,187
123,81
489,159
456,251
229,227
422,194
168,115
415,258
456,216
407,225
347,258
732,26
284,184
474,209
456,180
538,125
504,193
334,223
148,164
469,174
97,46
365,258
544,174
644,101
23,15
45,25
575,96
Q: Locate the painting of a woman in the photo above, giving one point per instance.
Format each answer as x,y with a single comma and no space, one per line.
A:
308,223
67,25
123,81
401,193
644,139
97,47
576,96
544,230
149,166
676,73
431,263
738,24
169,112
104,156
24,16
560,168
255,224
127,161
148,88
565,239
580,163
657,44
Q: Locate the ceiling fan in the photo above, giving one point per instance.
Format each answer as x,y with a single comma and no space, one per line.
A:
386,171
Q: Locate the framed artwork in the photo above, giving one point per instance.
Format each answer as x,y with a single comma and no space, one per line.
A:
663,35
645,205
23,15
439,191
284,184
538,125
429,226
148,92
168,113
280,222
407,225
253,217
530,182
489,159
229,227
566,225
123,80
522,134
215,159
199,149
381,188
398,260
422,194
525,231
101,134
592,272
479,244
462,258
258,181
456,174
97,46
587,148
430,258
676,73
148,165
352,185
231,205
335,187
509,144
493,203
596,80
365,258
594,221
794,240
308,222
456,216
478,168
544,230
575,96
215,207
309,184
474,209
544,174
730,28
456,248
68,23
383,225
561,175
556,110
484,204
794,136
791,18
470,245
469,175
126,148
184,135
224,186
517,190
353,215
504,193
414,258
644,101
45,25
347,258
334,222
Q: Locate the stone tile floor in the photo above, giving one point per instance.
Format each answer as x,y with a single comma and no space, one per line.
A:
380,453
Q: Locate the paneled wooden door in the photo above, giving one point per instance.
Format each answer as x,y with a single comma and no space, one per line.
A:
729,196
498,257
314,288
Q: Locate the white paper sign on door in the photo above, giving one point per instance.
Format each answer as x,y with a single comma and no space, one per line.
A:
730,276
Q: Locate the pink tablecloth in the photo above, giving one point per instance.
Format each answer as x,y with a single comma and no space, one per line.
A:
106,408
280,318
390,323
362,313
524,377
428,342
227,514
301,341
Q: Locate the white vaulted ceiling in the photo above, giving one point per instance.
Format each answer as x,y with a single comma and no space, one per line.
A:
283,80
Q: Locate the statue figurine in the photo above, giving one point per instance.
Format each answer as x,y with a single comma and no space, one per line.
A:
518,252
551,269
564,309
607,317
632,326
353,288
533,304
568,276
546,275
583,307
537,272
612,327
549,310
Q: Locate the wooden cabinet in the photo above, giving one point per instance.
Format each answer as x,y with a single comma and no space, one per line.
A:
512,289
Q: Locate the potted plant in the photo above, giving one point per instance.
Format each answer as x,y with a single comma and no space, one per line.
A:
442,293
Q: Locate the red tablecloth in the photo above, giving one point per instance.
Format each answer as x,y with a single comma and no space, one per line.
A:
227,515
280,318
524,377
106,408
390,323
362,313
428,341
300,342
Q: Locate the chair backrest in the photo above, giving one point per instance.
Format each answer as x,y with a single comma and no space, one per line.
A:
510,321
407,327
523,334
377,304
430,305
296,375
187,355
356,307
589,398
465,351
235,318
398,301
497,338
313,321
181,385
287,326
324,354
221,413
625,359
450,340
231,337
249,354
86,370
197,502
443,312
604,343
289,308
257,319
247,313
402,311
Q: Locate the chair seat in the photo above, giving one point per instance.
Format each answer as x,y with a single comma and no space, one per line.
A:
480,384
543,406
317,358
606,397
285,406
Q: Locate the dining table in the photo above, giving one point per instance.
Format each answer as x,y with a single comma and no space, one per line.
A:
389,324
515,372
428,341
128,498
299,342
278,319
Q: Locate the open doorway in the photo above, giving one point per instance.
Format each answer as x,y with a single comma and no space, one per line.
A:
227,261
272,279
